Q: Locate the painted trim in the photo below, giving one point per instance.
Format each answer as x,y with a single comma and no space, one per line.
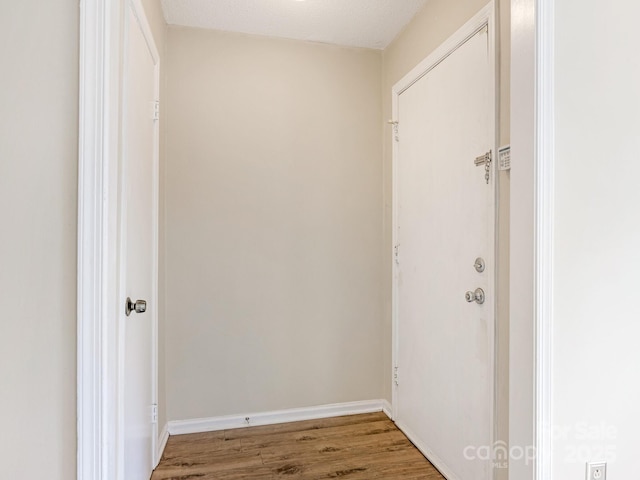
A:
138,11
97,353
162,444
532,204
395,152
387,409
99,362
213,424
484,18
474,25
433,458
544,232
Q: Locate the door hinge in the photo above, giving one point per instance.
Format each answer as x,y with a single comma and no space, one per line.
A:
395,376
396,253
155,110
394,124
486,161
154,413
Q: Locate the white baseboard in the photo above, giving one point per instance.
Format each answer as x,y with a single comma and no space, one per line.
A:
387,409
212,424
433,458
162,442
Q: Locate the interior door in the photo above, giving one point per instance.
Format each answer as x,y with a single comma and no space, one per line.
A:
139,248
444,222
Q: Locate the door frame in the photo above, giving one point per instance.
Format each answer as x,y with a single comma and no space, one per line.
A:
99,338
485,18
531,232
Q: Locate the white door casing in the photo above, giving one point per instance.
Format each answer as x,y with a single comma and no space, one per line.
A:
100,383
139,246
531,238
444,217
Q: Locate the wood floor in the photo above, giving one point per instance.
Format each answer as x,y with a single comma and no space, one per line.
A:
358,447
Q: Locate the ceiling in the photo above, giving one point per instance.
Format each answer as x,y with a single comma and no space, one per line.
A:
355,23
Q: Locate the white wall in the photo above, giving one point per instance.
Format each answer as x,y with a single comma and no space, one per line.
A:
38,185
596,360
273,224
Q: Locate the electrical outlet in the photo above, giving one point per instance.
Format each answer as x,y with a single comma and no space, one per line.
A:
597,471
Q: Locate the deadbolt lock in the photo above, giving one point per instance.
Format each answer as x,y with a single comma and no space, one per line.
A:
475,296
479,265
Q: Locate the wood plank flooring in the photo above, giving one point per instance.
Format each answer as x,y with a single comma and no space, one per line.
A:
357,447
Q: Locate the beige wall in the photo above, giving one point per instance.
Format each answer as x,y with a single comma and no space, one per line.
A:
38,184
154,14
273,224
155,17
430,28
596,263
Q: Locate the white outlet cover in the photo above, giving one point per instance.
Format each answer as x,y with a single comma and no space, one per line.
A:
597,471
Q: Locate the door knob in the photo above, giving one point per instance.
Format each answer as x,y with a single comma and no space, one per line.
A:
139,306
475,296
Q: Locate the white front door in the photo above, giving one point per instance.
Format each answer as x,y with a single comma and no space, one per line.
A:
139,248
444,220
